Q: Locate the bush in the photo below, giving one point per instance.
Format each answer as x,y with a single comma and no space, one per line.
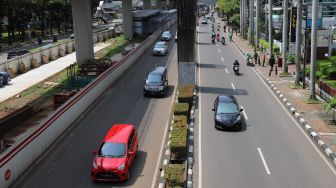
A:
178,145
318,75
181,109
290,58
185,93
332,74
174,173
181,119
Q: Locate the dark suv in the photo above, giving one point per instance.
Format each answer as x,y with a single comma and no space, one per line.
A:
14,54
156,82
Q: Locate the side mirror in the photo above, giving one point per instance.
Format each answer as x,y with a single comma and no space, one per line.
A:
94,152
241,110
213,109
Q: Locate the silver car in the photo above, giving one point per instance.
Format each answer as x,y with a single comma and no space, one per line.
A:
166,35
160,48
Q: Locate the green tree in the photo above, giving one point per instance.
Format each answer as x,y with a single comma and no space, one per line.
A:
230,9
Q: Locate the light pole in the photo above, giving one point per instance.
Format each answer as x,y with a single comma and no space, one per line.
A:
298,41
285,35
315,8
270,24
257,24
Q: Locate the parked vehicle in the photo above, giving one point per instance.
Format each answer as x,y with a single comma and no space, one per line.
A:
166,36
116,154
13,54
227,113
160,48
156,82
4,78
204,21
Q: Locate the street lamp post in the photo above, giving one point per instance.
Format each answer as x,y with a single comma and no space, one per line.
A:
307,44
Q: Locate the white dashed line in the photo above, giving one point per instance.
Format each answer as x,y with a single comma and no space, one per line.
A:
222,59
264,162
218,50
233,86
244,113
227,72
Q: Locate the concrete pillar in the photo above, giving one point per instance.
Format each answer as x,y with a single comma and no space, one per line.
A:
251,11
285,35
81,14
257,23
315,8
127,18
147,4
270,26
244,18
298,41
241,17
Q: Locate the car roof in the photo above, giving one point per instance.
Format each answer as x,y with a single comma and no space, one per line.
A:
119,133
160,42
226,98
166,32
158,70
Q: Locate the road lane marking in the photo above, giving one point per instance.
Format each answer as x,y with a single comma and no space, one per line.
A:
244,113
227,72
218,50
264,162
199,125
234,89
298,125
222,59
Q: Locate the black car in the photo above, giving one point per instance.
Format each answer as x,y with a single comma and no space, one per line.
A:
227,113
156,82
14,54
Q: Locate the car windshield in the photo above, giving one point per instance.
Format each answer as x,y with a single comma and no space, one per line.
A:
111,149
227,108
155,78
165,34
159,45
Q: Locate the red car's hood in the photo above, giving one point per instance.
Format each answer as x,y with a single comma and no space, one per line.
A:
108,163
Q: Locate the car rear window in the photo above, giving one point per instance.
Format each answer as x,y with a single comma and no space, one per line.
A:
111,149
225,108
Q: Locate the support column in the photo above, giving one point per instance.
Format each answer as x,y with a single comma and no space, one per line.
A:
315,8
241,17
244,18
186,53
257,23
147,4
82,23
298,41
270,26
127,19
285,35
251,15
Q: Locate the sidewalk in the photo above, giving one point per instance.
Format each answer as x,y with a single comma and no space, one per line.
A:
34,76
313,115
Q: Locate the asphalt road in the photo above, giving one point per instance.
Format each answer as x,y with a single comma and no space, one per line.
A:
68,163
270,151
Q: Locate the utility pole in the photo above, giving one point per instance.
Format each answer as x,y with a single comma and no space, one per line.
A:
257,24
315,8
270,25
298,42
245,19
251,10
241,17
285,35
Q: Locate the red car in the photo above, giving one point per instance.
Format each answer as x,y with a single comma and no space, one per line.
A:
116,154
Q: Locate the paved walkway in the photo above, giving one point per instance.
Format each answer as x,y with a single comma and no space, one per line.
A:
34,76
314,114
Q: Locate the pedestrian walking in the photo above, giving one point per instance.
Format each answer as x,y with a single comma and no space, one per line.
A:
255,56
264,60
271,63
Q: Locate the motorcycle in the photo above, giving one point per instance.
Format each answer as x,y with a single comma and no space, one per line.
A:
223,41
213,40
236,69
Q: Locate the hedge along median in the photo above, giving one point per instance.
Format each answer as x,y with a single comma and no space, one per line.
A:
175,172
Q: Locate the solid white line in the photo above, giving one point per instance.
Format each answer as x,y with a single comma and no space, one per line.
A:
222,59
163,143
264,162
244,113
227,72
199,126
233,86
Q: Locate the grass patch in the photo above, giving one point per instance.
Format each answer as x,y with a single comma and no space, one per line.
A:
178,145
295,86
331,83
117,46
185,93
174,173
285,74
311,101
182,119
181,109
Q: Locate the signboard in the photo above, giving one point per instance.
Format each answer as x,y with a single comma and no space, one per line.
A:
293,24
310,16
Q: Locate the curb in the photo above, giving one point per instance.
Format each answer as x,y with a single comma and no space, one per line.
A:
311,132
190,143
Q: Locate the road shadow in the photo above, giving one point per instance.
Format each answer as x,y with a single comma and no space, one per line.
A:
212,66
203,32
135,173
204,43
222,91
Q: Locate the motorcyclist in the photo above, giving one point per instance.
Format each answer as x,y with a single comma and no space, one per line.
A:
223,39
236,63
224,28
218,37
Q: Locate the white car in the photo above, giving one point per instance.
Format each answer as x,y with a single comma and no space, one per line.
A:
166,36
160,48
204,21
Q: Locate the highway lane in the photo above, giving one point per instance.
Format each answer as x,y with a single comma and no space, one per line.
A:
270,151
68,163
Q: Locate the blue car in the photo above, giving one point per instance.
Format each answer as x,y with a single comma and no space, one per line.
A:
4,78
